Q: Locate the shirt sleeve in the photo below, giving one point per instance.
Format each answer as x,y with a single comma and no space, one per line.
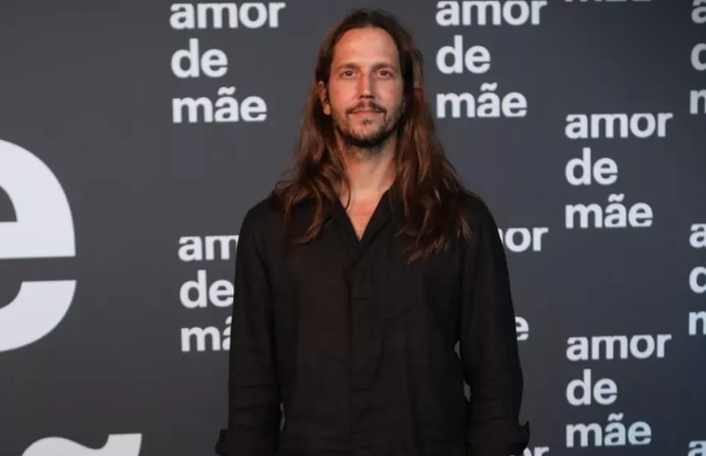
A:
254,413
488,345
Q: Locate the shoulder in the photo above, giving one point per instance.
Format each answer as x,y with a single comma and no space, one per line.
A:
262,216
259,228
477,211
265,220
480,219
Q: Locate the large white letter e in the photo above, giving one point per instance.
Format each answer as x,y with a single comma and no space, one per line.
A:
44,228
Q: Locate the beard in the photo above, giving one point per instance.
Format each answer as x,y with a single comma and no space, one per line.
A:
372,133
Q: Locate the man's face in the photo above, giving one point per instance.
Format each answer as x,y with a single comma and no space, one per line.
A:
365,88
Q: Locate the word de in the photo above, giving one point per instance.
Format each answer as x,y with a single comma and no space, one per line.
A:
581,391
476,59
213,63
604,171
219,293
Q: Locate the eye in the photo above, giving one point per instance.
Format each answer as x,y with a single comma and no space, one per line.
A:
347,73
386,73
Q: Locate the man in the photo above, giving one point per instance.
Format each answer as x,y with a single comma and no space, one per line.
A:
356,279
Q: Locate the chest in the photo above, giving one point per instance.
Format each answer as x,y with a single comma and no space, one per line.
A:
327,299
327,278
360,215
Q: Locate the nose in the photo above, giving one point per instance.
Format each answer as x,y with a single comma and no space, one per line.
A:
365,86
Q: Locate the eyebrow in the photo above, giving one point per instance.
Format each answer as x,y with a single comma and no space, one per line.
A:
376,66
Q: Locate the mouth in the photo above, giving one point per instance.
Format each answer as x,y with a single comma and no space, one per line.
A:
366,112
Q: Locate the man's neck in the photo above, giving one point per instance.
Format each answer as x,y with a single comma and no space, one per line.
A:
370,173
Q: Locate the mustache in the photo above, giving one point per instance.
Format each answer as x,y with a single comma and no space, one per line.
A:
366,106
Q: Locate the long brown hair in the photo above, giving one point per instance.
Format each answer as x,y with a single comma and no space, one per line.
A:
431,191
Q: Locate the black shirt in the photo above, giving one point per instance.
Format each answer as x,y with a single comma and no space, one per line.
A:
360,348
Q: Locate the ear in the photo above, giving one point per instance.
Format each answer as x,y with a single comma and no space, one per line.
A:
323,97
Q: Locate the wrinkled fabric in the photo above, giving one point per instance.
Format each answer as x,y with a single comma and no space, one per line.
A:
355,353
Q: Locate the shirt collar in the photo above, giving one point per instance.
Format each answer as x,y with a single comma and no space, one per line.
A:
389,209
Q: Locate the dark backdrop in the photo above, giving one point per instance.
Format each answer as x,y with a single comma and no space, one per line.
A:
124,180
